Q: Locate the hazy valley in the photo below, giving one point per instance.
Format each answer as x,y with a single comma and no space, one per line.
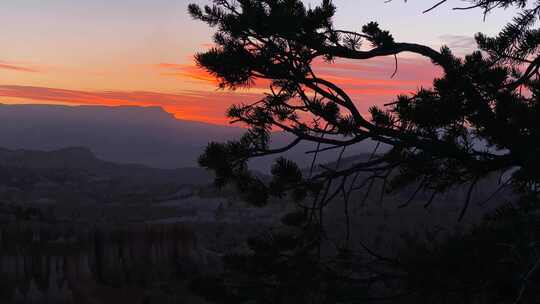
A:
88,194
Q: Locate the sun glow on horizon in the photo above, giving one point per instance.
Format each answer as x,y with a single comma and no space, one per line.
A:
99,53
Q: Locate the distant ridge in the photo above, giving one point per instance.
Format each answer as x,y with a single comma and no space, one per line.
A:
82,160
132,134
124,134
71,158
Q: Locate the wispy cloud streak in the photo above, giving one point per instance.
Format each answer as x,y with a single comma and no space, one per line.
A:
370,77
205,106
16,67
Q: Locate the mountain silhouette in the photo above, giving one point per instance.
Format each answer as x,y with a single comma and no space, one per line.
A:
82,160
132,134
125,134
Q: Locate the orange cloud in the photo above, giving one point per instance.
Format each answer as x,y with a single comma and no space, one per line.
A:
195,73
370,82
206,106
370,77
367,82
190,71
18,68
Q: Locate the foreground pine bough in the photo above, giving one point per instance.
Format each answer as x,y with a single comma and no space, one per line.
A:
480,118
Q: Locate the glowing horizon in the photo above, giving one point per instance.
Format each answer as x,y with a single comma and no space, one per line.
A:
135,52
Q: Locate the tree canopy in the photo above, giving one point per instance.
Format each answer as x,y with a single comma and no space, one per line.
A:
481,117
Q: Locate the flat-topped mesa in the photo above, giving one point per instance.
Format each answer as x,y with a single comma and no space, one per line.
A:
133,134
122,113
124,134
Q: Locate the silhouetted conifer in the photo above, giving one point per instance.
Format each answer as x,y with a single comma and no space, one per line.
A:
481,117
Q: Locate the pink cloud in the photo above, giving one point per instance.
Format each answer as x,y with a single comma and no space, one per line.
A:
16,67
415,70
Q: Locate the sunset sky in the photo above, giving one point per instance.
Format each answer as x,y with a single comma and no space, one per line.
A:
139,52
